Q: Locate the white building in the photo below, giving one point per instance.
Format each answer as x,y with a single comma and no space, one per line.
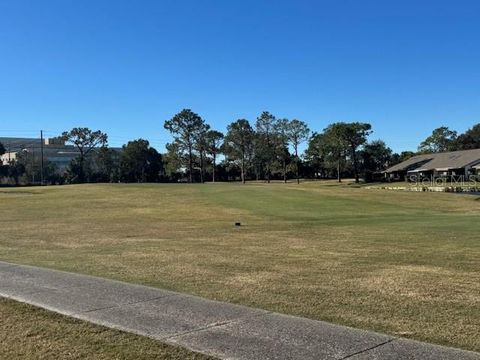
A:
54,150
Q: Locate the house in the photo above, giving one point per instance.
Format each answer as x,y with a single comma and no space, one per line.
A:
452,164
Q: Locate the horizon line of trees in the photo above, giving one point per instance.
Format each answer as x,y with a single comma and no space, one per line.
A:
265,150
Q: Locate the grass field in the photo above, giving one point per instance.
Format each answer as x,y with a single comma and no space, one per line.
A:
398,262
30,333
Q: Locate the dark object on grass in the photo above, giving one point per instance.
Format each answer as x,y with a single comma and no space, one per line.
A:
238,224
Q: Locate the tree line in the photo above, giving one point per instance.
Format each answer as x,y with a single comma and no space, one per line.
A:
268,149
444,139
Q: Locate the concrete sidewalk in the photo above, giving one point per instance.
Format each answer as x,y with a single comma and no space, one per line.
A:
210,327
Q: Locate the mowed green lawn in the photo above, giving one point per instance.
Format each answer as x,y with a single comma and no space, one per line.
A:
398,262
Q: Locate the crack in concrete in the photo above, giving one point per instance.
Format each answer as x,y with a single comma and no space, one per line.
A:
197,330
122,305
368,349
211,326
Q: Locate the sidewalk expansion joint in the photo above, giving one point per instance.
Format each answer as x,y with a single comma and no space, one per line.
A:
366,350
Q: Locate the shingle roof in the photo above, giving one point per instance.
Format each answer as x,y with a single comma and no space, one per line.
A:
447,160
412,163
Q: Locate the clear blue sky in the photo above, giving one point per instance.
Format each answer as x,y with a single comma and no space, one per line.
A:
126,66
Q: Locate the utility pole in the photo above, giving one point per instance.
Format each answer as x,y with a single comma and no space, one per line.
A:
33,164
41,163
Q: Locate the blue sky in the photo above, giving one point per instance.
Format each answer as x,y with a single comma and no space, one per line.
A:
126,66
